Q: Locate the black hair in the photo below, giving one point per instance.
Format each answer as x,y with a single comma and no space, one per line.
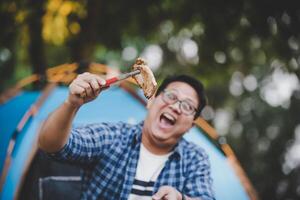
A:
194,83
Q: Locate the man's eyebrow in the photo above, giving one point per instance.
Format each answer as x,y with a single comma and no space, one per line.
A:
190,100
185,99
177,92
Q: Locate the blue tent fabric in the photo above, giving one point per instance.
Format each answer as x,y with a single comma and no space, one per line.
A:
11,113
116,105
226,184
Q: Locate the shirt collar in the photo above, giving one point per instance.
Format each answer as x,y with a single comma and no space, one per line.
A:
137,133
178,150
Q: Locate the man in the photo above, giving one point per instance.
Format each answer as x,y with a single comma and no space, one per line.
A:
149,160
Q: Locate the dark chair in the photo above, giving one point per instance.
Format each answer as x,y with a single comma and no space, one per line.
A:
48,179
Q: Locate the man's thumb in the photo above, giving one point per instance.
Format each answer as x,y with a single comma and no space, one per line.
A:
160,193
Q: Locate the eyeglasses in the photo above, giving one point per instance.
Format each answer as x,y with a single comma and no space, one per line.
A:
170,97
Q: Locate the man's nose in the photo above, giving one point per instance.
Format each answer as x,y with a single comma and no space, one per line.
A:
176,106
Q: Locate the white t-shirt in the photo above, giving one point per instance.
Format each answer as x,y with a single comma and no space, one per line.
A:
148,169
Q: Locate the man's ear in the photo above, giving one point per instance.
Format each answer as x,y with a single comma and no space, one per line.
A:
150,102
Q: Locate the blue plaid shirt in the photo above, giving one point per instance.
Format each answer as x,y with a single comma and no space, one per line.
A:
109,154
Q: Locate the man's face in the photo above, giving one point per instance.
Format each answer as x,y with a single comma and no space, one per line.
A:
166,123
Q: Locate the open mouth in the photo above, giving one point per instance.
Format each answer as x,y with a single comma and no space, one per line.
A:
167,119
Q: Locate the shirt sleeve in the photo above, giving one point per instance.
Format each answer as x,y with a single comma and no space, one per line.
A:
86,143
199,182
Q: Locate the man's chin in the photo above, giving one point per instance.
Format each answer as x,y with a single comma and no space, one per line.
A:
161,137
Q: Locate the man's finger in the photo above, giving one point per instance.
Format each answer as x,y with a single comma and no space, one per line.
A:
87,87
94,83
100,81
88,77
161,193
76,89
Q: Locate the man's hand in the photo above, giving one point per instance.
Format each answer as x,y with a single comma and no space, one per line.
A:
167,193
86,87
56,129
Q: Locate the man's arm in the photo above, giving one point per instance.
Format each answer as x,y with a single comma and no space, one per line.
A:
55,130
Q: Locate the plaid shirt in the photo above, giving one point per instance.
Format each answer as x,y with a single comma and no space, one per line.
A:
109,154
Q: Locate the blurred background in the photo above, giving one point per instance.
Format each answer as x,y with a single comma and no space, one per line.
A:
246,52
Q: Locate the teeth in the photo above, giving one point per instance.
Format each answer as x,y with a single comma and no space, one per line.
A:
169,117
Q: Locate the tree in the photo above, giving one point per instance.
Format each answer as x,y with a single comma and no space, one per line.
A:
246,53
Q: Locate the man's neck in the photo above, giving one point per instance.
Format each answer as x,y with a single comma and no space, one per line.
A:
154,148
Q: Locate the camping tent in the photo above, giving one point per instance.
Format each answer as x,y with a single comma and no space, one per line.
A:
28,173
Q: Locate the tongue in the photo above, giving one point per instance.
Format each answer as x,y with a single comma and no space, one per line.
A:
166,123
